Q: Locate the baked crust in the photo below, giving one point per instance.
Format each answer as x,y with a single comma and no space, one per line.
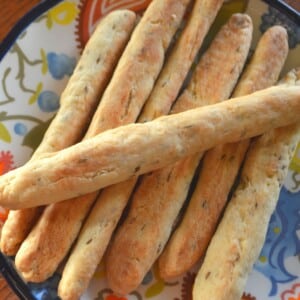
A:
221,165
99,161
160,195
121,103
180,60
242,230
78,102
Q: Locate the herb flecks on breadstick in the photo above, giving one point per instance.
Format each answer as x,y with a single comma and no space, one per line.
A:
121,103
78,102
220,166
241,232
99,161
181,58
161,194
101,222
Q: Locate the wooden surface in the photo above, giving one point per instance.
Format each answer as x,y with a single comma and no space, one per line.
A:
294,3
5,291
10,12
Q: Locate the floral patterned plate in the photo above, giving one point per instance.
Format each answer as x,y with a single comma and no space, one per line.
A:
36,60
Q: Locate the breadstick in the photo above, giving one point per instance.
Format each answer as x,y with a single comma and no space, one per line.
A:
180,59
243,227
242,230
101,222
121,103
220,166
78,102
93,239
99,161
160,195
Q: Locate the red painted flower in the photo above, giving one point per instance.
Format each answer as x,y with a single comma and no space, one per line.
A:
248,297
292,294
6,162
91,11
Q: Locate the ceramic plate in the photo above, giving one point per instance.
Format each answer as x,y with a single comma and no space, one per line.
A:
37,59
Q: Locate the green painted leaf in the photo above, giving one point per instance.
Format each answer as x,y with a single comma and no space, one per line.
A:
34,137
35,95
3,114
44,61
155,289
4,134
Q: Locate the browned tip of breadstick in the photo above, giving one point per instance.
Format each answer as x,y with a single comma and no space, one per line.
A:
16,228
139,65
98,162
50,239
292,77
270,53
181,58
222,62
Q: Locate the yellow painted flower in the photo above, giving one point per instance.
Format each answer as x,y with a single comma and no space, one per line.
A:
263,259
62,14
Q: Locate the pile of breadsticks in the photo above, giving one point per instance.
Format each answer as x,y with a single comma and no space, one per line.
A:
68,202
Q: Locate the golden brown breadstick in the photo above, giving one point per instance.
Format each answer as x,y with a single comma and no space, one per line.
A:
121,103
99,161
78,102
160,195
93,239
101,222
17,227
220,166
180,59
249,209
241,232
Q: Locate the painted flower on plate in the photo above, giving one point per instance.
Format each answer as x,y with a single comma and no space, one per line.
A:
48,101
60,65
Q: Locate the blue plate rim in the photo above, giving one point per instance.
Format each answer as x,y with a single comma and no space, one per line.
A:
14,280
285,8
